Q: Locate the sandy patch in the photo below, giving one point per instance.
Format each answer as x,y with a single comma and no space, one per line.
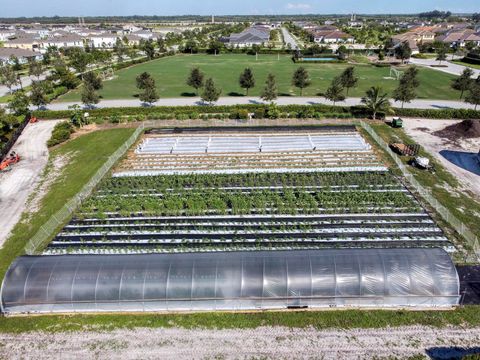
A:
264,343
459,157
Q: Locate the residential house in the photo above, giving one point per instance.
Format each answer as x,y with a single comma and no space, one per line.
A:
103,41
5,34
22,41
21,54
460,38
255,35
331,35
62,41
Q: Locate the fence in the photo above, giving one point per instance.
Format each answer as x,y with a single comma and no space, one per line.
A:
459,227
48,229
8,146
59,218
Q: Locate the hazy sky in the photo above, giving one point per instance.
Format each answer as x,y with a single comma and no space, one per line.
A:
11,8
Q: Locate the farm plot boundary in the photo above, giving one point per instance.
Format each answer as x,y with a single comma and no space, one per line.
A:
426,194
48,230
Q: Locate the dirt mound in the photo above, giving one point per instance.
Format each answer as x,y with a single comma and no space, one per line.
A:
465,129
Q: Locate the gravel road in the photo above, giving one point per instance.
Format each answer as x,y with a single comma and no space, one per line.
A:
20,182
263,343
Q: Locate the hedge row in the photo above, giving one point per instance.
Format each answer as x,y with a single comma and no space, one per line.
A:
301,111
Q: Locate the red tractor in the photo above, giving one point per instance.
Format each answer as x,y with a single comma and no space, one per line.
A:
6,165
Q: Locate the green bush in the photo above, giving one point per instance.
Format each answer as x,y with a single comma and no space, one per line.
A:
259,113
222,112
61,133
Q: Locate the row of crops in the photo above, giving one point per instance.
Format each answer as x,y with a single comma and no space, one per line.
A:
207,212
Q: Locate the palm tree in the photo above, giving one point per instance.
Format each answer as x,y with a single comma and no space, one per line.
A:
375,101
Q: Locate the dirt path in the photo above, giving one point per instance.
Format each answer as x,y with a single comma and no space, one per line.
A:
264,343
18,184
459,157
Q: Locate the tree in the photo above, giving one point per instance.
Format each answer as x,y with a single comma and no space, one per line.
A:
161,45
348,78
403,51
405,92
463,82
342,52
65,77
149,48
190,47
335,91
441,54
247,80
19,103
38,94
210,93
79,60
270,92
142,79
15,63
375,101
35,68
195,79
89,95
149,94
215,47
8,76
92,79
473,96
301,79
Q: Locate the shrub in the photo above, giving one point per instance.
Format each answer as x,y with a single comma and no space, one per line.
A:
61,133
259,113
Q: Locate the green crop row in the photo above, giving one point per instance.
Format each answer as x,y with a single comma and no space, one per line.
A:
263,202
198,181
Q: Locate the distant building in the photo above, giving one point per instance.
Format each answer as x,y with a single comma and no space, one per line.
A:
62,41
21,54
460,38
255,35
331,35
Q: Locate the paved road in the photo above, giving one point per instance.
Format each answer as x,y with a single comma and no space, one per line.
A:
288,39
192,101
26,81
17,185
450,68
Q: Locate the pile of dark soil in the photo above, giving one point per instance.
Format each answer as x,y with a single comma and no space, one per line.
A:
464,130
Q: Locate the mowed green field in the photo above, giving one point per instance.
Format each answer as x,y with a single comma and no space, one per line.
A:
170,74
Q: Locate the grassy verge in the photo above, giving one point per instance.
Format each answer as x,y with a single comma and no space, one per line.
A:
459,62
86,155
340,319
444,186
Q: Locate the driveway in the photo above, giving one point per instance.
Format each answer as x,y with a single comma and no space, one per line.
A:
285,100
17,185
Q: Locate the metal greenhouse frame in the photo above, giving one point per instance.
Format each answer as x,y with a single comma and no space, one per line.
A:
231,281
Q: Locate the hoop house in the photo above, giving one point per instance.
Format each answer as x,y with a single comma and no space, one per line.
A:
231,281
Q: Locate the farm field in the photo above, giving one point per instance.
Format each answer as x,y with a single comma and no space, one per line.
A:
230,210
170,74
342,149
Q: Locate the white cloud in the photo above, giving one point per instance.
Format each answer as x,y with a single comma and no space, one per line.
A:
298,6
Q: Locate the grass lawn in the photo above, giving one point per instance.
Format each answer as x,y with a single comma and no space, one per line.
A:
86,155
473,66
170,74
468,316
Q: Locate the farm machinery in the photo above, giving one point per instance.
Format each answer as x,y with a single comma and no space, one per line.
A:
6,165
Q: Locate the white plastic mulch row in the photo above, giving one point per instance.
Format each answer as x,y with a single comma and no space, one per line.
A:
251,170
251,143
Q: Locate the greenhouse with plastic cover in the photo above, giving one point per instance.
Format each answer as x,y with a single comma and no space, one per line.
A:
231,281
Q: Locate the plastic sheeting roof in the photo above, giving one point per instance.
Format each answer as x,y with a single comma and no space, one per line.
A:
231,281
